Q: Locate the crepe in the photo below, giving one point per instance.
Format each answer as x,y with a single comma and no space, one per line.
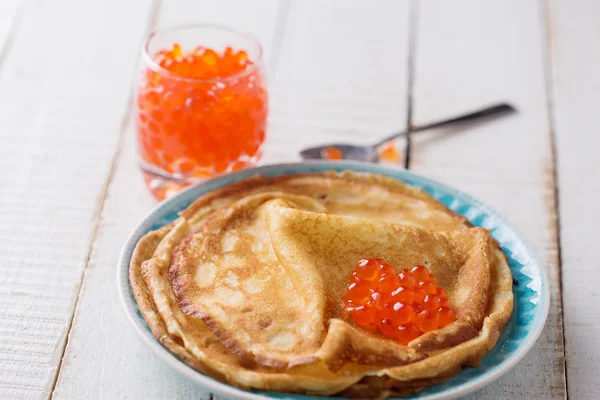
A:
247,285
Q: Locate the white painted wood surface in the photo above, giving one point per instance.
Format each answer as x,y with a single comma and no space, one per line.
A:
63,94
338,71
9,19
573,30
470,53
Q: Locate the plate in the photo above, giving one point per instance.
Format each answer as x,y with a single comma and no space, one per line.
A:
530,287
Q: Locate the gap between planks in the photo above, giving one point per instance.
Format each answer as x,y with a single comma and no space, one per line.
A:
97,216
547,22
413,22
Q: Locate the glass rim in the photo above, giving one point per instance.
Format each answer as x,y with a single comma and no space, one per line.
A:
154,66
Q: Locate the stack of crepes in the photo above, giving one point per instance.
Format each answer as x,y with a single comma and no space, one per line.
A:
247,285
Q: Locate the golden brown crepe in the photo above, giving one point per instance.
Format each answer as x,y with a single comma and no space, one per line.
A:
247,285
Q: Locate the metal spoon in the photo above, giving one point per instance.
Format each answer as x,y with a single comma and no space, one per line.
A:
370,153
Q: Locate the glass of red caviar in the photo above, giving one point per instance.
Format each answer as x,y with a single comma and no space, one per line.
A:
201,105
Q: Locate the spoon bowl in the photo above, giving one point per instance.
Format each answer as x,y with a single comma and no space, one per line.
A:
370,153
348,151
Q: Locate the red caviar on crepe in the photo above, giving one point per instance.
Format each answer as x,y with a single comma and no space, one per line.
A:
250,285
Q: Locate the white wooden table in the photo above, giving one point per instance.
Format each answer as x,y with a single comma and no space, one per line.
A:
352,70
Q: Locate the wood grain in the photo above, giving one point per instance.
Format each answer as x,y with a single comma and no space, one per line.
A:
104,358
472,53
62,104
573,31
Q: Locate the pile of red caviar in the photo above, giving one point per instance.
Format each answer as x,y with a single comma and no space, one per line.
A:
202,113
401,306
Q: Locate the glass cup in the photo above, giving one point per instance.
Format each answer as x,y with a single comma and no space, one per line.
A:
192,123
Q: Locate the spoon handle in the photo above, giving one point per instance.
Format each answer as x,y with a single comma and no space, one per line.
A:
485,112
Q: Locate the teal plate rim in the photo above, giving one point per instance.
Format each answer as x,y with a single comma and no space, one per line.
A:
532,295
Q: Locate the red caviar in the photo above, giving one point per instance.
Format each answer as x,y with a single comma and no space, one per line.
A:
332,153
389,153
401,306
201,112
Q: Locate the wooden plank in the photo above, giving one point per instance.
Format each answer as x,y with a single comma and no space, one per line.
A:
104,356
472,53
63,88
574,32
341,75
